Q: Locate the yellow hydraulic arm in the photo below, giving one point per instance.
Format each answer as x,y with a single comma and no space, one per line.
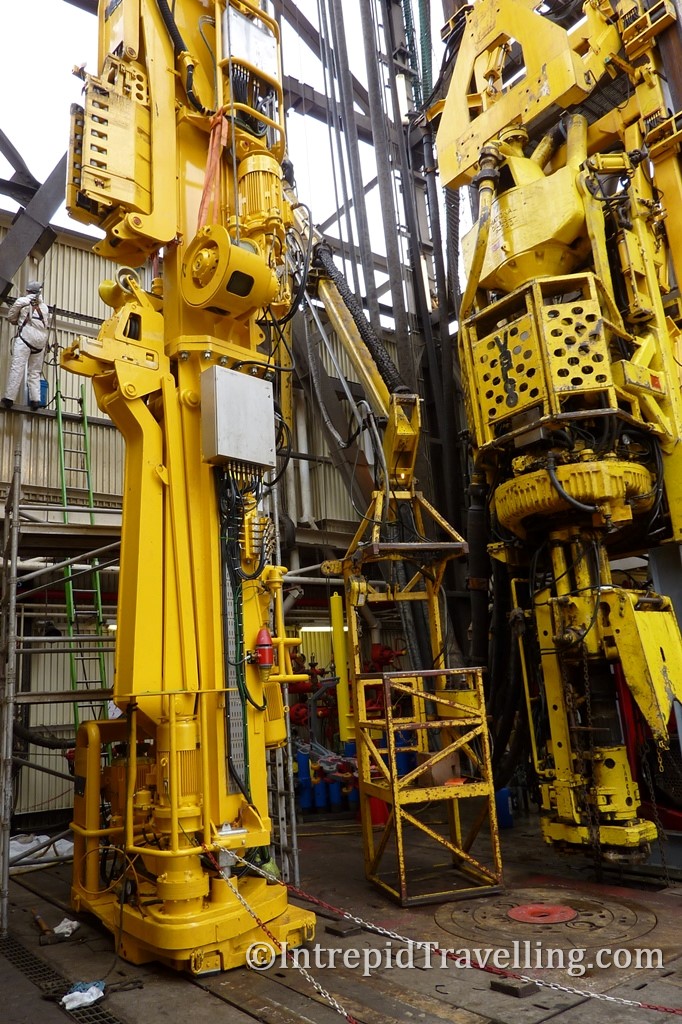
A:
398,558
176,155
569,348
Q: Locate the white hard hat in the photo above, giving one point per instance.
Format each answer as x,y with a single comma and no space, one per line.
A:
34,287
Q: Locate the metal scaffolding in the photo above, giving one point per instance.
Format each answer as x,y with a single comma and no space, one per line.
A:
27,598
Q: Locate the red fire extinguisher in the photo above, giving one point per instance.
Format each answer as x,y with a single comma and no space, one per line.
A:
265,653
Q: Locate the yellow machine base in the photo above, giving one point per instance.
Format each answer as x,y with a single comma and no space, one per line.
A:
215,939
627,838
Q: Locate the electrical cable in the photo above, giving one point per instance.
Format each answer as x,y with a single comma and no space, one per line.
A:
206,19
579,505
228,587
286,455
302,284
317,388
180,47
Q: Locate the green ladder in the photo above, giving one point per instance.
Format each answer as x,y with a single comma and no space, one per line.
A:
82,590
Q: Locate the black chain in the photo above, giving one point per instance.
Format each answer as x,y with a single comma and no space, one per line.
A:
584,790
591,794
661,836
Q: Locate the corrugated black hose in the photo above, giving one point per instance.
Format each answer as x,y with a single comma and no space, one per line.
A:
387,369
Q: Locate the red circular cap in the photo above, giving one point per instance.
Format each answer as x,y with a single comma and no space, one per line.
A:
542,913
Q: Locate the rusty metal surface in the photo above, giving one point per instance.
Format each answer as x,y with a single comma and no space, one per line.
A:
542,913
599,921
460,714
430,995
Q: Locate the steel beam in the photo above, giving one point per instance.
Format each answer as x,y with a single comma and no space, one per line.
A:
31,229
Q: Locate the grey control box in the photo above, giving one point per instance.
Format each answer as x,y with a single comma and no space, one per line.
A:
237,418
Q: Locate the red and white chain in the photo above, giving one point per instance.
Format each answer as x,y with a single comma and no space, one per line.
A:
555,986
327,996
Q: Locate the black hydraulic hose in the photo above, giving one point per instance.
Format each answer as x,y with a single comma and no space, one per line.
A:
302,284
516,753
41,739
387,369
192,96
479,572
173,30
180,46
499,643
579,505
513,702
452,217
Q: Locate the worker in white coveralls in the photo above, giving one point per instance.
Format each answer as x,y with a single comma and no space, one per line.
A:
30,314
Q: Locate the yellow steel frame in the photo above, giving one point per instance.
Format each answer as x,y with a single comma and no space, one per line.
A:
154,170
568,356
457,715
454,707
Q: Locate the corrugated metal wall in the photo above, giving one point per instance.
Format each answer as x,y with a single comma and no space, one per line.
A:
71,273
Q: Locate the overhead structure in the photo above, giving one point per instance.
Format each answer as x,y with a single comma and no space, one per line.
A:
399,557
31,232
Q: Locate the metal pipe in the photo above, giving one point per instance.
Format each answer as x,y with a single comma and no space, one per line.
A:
76,561
355,346
41,846
131,775
479,570
31,564
8,688
274,515
452,468
372,621
291,599
24,510
42,768
30,864
292,858
340,650
486,179
309,568
95,637
423,312
303,467
327,59
352,149
382,152
42,587
292,508
94,650
206,764
86,841
323,580
173,773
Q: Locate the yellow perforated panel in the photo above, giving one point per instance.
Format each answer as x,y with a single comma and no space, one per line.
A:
509,370
573,335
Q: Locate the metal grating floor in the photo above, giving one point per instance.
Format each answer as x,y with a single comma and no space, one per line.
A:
50,981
